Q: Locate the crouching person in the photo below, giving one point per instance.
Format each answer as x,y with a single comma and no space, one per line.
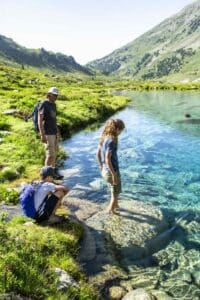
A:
40,200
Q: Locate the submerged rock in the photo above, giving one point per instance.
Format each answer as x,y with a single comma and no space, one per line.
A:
160,295
138,279
130,234
114,242
196,275
178,267
141,248
139,294
116,292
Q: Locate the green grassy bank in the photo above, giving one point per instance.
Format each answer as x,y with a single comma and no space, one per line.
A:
150,85
29,256
82,102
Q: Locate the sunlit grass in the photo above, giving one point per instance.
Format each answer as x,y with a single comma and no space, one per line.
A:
29,255
82,102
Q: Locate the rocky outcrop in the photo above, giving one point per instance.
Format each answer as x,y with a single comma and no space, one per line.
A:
160,295
116,292
112,244
10,211
130,234
141,248
65,280
138,294
136,249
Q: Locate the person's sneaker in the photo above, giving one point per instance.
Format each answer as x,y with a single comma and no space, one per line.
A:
55,219
57,175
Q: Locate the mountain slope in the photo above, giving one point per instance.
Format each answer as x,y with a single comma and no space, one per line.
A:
169,50
40,58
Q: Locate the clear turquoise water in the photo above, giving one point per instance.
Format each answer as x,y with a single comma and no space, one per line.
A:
159,152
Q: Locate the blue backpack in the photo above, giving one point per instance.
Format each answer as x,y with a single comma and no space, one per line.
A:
27,200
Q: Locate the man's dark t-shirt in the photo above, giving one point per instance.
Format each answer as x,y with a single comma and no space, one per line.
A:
48,109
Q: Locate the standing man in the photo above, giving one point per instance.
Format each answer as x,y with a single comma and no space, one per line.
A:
48,128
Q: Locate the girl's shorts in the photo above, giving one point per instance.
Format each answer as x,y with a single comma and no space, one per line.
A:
115,189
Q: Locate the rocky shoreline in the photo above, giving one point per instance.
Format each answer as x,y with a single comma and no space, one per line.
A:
114,243
133,255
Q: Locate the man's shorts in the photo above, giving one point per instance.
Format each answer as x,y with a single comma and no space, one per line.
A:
46,208
52,145
115,189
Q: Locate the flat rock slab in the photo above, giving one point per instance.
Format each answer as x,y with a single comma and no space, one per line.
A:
113,242
132,232
10,211
11,111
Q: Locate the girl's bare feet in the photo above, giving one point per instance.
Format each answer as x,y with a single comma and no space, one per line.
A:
108,210
112,211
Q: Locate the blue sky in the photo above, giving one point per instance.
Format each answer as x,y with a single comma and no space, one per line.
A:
84,29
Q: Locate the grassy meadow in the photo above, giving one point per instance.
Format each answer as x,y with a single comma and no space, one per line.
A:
82,102
30,254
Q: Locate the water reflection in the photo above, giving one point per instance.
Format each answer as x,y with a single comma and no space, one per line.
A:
172,108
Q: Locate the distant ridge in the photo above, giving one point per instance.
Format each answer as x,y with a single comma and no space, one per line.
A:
40,58
170,51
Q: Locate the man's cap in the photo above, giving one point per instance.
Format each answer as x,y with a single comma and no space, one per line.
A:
47,171
53,90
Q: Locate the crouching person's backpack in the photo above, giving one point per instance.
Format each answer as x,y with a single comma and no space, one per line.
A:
27,200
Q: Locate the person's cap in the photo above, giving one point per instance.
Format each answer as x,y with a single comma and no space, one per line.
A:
47,171
53,90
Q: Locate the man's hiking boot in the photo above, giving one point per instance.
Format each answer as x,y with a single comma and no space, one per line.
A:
54,219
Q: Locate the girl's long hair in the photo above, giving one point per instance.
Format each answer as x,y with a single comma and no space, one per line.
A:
111,130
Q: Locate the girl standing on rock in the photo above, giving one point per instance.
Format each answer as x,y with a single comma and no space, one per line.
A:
108,160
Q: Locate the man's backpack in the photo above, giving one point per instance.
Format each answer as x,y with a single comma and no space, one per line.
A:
34,115
27,199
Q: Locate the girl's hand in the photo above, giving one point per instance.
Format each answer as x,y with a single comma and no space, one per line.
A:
115,178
